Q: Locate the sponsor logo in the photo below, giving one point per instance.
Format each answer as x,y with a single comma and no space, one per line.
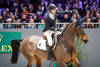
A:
5,40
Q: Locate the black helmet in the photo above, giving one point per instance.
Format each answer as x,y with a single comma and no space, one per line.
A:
51,7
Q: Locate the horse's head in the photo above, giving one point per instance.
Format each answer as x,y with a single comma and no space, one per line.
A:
80,33
76,29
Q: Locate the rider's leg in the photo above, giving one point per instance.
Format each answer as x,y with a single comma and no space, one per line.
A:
48,34
50,54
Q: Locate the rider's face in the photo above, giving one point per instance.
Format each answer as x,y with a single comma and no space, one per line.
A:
53,11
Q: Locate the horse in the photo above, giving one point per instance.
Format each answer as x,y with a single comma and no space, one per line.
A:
64,52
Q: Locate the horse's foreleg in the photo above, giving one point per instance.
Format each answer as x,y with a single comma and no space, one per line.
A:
29,64
62,64
38,61
75,61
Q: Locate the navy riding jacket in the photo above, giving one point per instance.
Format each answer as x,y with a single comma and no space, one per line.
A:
49,23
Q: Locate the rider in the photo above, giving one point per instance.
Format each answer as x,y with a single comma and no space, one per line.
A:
50,26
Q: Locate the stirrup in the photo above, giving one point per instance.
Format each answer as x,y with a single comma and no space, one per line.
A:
51,57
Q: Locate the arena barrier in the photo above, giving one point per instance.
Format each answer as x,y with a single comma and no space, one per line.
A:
41,25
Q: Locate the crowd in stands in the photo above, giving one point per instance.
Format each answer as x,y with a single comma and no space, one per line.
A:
34,11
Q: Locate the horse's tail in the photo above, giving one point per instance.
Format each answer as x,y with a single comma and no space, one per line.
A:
15,44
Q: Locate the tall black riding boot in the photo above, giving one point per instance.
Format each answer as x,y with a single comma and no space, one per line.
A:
50,53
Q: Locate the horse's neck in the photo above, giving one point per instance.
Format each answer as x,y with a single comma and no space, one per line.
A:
68,36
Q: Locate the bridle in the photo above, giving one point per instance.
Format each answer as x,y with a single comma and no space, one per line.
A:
80,33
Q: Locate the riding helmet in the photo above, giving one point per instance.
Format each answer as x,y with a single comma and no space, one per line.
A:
52,6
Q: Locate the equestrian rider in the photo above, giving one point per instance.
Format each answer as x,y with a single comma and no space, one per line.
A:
50,27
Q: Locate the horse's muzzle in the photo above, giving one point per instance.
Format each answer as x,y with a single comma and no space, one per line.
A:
85,41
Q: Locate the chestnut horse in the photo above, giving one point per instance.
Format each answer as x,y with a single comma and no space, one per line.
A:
64,52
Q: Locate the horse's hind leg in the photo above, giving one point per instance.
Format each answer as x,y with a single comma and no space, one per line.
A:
30,61
38,61
75,61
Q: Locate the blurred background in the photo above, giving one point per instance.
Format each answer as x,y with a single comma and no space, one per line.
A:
33,11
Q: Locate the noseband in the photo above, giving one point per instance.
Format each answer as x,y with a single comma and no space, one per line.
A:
80,33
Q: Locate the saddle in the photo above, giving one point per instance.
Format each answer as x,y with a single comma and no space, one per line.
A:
43,40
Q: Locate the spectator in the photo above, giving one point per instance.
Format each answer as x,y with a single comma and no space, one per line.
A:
0,11
31,25
13,18
25,13
45,2
39,11
43,8
86,7
92,6
9,25
88,14
31,8
15,5
31,11
65,18
94,11
97,16
24,20
59,7
75,6
17,13
36,18
80,5
88,20
99,20
1,21
4,16
8,12
8,3
66,7
41,26
75,15
17,25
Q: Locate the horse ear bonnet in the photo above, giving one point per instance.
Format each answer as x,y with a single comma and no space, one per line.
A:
79,22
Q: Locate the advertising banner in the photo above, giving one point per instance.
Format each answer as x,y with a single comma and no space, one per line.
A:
5,40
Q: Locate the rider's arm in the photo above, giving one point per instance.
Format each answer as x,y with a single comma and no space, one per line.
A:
64,12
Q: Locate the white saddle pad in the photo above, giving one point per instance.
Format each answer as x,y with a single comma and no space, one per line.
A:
41,44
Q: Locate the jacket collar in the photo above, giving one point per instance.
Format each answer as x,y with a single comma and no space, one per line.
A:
51,16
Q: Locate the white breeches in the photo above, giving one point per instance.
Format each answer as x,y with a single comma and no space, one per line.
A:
48,34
